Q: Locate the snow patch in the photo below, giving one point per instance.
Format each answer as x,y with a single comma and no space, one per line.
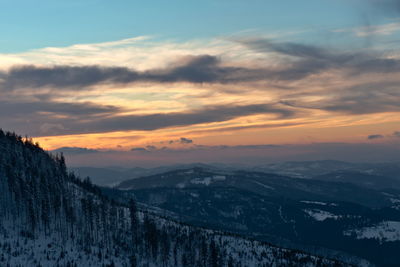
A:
180,185
314,202
385,232
219,177
318,203
194,195
321,215
205,181
394,200
208,180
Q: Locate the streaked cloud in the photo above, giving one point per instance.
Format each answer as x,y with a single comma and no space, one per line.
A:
315,59
75,150
164,120
366,98
88,118
366,31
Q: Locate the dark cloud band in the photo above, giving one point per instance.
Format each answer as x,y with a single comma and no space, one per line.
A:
308,60
199,69
81,119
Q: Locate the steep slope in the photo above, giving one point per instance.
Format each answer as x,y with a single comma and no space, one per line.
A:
51,218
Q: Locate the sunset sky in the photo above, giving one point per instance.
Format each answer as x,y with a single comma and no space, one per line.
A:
155,82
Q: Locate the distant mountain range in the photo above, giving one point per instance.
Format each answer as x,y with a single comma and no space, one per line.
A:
356,211
111,176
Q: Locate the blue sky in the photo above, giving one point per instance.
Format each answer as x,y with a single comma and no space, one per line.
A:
30,24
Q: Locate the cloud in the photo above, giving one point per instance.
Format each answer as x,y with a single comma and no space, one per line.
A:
313,59
139,149
45,117
288,48
365,98
184,140
42,118
375,136
38,118
204,115
16,107
75,150
371,14
300,61
99,124
297,81
380,136
64,76
366,31
246,127
203,69
49,127
148,148
194,69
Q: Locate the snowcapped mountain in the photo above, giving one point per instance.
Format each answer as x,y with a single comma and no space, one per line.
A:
49,217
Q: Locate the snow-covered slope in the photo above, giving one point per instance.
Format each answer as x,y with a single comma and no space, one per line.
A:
386,231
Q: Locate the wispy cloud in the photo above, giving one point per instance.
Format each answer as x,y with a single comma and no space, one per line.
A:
315,59
364,31
364,98
75,150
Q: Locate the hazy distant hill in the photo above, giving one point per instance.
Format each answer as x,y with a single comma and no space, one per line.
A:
111,176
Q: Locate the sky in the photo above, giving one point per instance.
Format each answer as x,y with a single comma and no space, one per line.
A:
161,82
